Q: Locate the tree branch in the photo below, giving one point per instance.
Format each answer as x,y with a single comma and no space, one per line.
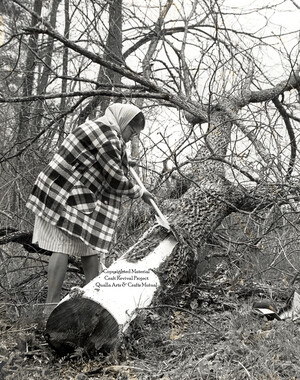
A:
291,134
11,235
86,94
293,82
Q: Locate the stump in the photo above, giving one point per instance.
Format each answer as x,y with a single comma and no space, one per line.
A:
94,317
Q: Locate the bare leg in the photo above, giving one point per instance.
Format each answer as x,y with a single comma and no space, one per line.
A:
90,266
57,269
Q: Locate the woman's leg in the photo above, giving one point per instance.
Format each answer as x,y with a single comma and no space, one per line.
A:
90,265
57,269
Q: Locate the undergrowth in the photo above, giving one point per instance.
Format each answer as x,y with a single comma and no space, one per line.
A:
214,335
204,330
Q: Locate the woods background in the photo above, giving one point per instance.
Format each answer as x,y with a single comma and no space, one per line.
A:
219,85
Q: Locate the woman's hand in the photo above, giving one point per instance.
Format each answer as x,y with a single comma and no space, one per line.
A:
147,196
132,163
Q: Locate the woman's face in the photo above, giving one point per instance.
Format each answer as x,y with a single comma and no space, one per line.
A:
134,127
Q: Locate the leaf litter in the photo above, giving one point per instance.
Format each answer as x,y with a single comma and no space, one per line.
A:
171,342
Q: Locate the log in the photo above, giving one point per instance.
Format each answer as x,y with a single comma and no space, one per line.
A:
94,317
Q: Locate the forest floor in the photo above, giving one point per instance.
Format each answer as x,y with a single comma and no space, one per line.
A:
209,332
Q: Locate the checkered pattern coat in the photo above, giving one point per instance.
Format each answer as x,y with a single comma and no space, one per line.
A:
80,190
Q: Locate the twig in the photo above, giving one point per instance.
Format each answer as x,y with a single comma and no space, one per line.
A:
116,368
184,310
5,213
247,372
17,331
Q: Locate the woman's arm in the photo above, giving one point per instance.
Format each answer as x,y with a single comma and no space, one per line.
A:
110,159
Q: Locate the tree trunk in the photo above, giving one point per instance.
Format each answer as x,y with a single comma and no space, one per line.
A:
24,127
64,83
113,53
42,84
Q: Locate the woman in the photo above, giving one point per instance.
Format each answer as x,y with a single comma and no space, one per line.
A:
77,198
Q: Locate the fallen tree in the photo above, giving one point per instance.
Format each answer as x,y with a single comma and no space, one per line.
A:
94,316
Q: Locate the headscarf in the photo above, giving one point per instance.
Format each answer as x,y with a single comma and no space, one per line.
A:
117,116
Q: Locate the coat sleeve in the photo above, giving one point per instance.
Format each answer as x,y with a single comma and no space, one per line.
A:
110,158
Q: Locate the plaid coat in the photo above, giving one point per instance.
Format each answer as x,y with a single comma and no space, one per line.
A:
80,190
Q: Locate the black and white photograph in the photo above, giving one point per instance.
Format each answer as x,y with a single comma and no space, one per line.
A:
150,189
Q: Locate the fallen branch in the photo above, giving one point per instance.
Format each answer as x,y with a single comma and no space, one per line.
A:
11,235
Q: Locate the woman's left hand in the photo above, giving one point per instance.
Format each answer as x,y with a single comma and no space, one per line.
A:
132,163
147,196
